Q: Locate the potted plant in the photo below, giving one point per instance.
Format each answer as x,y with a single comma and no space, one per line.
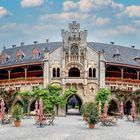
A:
17,112
92,115
84,111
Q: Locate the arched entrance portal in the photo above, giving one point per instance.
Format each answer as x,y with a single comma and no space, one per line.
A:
113,107
73,105
19,102
128,106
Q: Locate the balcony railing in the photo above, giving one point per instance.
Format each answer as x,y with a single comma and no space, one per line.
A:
29,80
122,81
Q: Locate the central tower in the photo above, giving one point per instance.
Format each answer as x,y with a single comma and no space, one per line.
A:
74,44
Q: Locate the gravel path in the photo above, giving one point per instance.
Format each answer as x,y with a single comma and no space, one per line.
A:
70,128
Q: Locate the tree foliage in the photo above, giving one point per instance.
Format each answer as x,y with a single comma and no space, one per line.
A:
52,97
102,96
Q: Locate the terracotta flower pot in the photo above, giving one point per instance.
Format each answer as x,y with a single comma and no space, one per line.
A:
17,123
91,126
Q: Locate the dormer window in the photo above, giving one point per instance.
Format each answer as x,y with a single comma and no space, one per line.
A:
117,54
137,59
36,53
4,58
19,55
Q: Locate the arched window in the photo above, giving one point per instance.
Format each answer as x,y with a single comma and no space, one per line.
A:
54,72
74,72
90,72
94,72
58,72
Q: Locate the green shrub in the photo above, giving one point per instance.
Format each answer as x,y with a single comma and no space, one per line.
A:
17,112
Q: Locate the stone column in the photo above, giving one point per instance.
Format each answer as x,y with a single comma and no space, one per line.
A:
122,73
46,70
25,69
138,73
102,70
9,74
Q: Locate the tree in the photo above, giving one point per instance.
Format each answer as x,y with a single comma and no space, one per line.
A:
102,96
52,97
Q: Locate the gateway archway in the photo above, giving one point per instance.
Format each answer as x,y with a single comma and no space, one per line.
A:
113,107
128,106
73,105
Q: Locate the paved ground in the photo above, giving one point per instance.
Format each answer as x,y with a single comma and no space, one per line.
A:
70,128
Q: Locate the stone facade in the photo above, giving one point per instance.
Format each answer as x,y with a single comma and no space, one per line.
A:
75,55
72,63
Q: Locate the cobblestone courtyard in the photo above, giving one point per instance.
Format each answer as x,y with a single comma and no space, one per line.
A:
70,128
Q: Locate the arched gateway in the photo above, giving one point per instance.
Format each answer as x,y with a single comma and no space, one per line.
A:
73,105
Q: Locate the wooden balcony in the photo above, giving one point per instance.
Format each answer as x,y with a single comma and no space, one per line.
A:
29,80
113,80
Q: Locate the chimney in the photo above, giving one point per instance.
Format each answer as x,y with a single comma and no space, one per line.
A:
13,46
132,46
112,43
22,44
47,40
35,42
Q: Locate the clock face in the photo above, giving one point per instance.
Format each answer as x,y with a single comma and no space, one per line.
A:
74,49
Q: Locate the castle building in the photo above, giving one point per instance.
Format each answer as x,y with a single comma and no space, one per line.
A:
73,62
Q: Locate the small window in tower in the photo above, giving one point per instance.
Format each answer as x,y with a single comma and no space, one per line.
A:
94,72
58,72
54,72
90,72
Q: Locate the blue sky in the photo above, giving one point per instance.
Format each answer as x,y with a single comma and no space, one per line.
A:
105,20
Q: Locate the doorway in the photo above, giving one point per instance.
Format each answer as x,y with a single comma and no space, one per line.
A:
73,105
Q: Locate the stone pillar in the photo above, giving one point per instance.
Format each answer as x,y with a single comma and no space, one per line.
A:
122,73
9,74
138,74
25,69
102,70
46,70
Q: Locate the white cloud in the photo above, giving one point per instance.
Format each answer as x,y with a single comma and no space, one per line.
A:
87,5
31,3
102,21
8,27
122,29
65,16
133,11
69,5
3,12
137,22
117,5
126,29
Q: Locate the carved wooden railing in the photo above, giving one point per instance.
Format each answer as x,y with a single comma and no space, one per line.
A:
28,80
120,80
